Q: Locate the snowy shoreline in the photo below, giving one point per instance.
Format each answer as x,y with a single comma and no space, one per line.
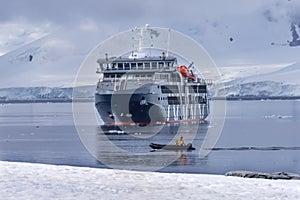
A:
40,181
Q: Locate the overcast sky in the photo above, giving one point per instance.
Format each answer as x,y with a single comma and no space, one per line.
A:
41,17
66,12
37,18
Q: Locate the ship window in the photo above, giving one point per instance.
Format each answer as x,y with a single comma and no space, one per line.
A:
163,77
200,100
168,64
160,64
140,65
126,65
147,65
173,100
175,77
108,66
154,65
149,76
202,89
120,66
133,65
169,89
190,98
113,66
193,89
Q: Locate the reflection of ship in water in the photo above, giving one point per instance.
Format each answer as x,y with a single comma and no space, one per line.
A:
149,90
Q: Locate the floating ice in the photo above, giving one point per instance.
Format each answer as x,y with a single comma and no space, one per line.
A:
277,116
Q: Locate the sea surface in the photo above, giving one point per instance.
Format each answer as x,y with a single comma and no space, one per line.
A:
257,135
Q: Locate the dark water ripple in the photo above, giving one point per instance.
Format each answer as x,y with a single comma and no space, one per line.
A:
247,148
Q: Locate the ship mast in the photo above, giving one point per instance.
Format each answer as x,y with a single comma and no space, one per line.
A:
141,39
168,42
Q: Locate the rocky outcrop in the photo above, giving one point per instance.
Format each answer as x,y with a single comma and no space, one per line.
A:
276,175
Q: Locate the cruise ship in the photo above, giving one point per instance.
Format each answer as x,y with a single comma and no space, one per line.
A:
143,89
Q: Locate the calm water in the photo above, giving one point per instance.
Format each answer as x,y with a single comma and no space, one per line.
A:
257,135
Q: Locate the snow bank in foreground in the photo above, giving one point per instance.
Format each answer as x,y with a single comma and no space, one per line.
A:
39,181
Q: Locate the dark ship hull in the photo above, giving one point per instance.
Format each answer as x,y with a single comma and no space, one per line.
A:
143,109
125,109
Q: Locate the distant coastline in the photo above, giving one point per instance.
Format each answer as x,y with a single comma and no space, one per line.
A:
237,98
86,94
230,98
45,100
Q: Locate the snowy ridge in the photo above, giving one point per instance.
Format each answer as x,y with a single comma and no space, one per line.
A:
261,89
39,181
49,61
33,93
45,93
260,81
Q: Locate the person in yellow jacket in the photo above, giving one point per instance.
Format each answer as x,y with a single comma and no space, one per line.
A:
176,143
181,141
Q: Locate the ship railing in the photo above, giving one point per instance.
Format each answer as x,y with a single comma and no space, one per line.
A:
203,81
134,70
175,79
135,66
209,82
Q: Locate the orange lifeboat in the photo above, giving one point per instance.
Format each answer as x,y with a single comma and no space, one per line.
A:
185,72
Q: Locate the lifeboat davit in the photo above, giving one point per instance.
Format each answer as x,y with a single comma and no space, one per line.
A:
185,72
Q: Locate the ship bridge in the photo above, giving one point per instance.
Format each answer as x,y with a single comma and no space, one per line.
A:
120,64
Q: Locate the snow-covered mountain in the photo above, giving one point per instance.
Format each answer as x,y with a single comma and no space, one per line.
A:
260,81
51,61
45,93
256,50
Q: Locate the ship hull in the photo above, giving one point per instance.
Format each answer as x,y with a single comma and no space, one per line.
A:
129,109
141,109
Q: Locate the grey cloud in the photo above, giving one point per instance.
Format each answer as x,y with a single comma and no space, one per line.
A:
116,12
68,12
